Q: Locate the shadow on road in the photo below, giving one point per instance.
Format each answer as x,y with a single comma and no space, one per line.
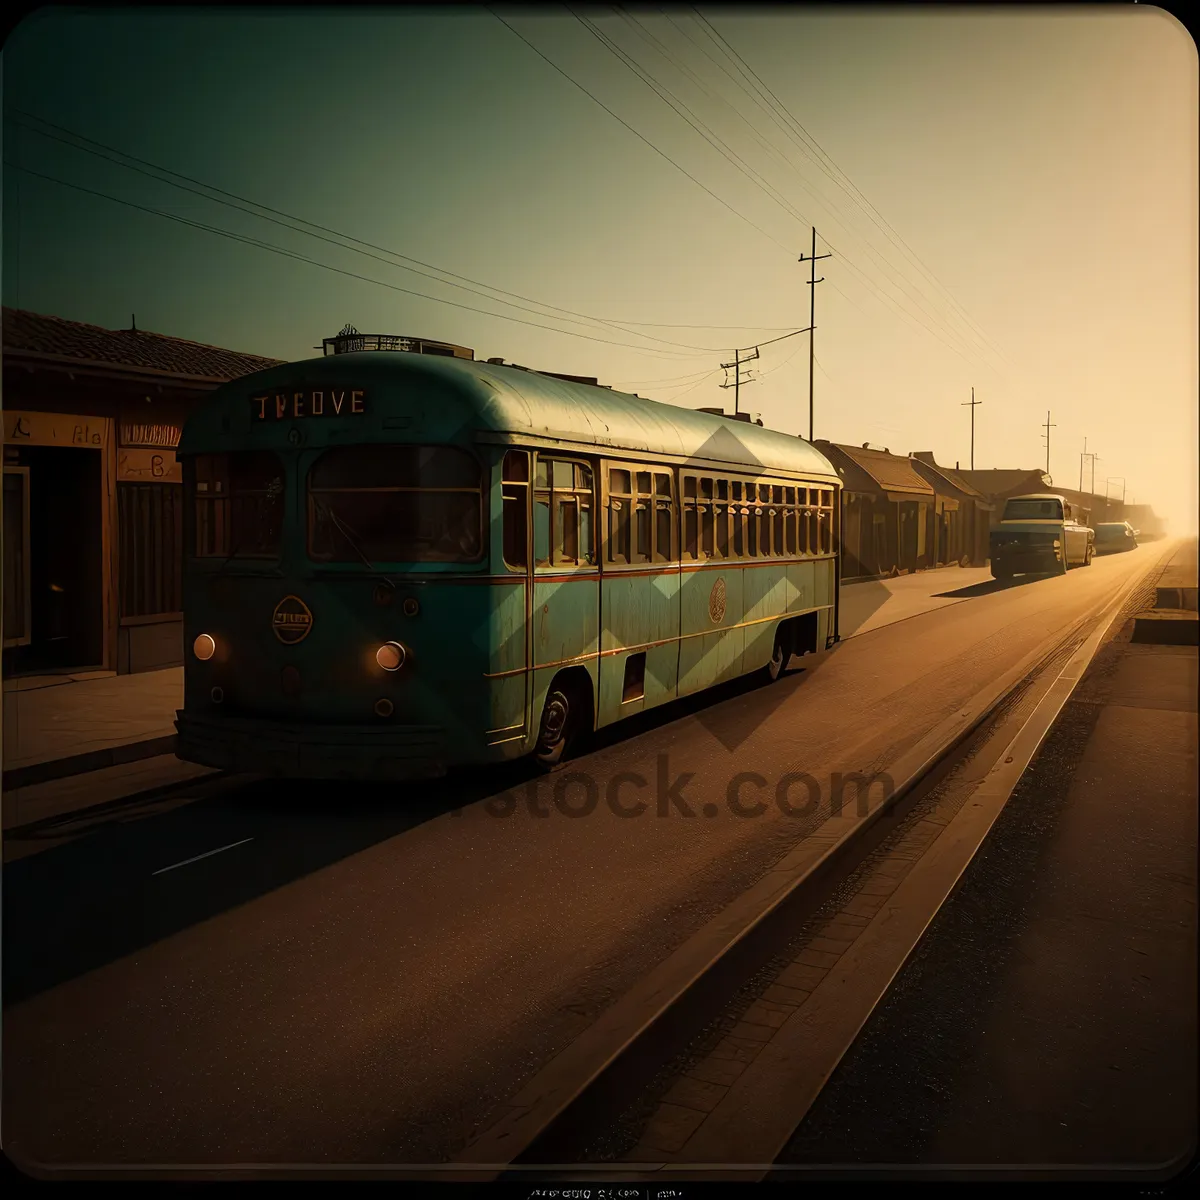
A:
988,586
139,875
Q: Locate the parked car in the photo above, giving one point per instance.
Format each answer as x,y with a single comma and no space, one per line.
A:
1038,535
1113,537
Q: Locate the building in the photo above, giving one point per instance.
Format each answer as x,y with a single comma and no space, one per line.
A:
888,511
963,516
996,486
92,490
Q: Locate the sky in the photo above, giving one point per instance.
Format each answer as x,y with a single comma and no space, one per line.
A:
1008,199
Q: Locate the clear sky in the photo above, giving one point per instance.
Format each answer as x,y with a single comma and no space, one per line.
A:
1009,199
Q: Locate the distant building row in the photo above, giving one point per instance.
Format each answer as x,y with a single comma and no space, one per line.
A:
906,513
93,511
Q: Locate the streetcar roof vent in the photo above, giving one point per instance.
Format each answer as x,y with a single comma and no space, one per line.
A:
350,341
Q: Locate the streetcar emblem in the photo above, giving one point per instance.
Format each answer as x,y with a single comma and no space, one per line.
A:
716,602
292,620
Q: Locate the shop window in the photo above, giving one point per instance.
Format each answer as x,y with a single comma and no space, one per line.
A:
150,537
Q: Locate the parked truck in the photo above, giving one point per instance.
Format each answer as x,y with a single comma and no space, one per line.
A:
1039,535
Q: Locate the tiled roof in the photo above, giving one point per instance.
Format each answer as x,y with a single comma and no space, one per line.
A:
950,475
1001,482
891,472
57,338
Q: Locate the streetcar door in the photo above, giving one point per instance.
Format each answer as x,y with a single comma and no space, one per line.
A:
639,601
566,586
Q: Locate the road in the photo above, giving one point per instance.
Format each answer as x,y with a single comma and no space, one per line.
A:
364,975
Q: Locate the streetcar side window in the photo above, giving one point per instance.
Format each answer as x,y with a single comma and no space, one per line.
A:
395,503
643,548
237,504
620,507
664,520
563,513
515,488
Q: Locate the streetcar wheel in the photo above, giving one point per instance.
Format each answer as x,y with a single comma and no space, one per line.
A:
557,732
780,655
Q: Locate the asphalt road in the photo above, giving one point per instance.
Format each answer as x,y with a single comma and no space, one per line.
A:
364,975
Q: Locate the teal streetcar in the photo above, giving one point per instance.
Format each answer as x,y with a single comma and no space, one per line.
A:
398,563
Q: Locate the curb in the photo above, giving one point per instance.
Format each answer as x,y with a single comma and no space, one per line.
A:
82,764
200,785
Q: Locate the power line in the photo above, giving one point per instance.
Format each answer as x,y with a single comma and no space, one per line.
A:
631,129
706,132
784,204
249,241
850,188
242,201
774,195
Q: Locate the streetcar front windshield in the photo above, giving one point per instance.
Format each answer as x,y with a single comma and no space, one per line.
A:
1033,510
395,504
236,503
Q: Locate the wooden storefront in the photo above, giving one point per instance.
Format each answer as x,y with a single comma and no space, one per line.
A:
93,492
888,512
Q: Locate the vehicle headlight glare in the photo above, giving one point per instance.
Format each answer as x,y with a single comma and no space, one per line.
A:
390,656
204,647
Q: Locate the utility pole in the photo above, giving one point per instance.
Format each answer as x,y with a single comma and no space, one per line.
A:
738,360
1046,435
972,404
812,319
1092,458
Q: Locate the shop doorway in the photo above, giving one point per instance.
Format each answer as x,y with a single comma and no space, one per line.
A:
53,588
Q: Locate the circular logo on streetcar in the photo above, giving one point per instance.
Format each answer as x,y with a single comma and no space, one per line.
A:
716,602
291,620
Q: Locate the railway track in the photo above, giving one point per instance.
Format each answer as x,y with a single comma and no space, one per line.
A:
587,1113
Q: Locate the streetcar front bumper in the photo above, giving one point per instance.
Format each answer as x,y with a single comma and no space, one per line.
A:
294,751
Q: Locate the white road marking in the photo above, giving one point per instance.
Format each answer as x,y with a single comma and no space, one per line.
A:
207,854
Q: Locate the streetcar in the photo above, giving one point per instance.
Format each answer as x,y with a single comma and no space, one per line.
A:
399,563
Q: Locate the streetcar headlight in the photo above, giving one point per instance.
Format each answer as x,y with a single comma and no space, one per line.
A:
391,656
204,647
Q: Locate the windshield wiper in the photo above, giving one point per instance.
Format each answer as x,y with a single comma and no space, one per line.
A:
348,535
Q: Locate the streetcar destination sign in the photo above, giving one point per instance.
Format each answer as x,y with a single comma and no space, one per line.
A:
290,406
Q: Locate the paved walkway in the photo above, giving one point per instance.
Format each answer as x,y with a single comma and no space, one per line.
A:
47,723
878,602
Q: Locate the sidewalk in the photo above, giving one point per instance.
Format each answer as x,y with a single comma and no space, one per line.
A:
72,743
